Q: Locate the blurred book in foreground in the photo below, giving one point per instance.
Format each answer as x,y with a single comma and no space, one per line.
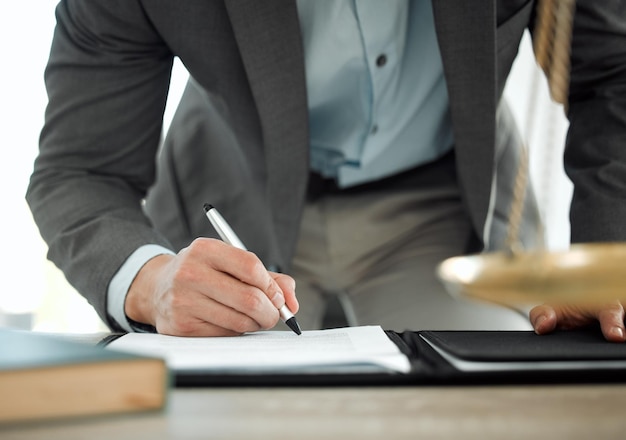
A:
44,376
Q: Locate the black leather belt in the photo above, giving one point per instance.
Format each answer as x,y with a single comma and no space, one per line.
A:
440,170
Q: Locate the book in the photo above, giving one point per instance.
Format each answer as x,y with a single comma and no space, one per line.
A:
353,350
45,376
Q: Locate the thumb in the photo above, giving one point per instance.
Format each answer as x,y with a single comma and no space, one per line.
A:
543,318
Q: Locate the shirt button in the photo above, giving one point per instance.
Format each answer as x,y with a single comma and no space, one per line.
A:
374,129
381,60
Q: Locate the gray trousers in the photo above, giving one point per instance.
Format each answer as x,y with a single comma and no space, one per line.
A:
374,251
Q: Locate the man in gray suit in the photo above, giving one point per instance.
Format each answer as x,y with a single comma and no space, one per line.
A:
351,145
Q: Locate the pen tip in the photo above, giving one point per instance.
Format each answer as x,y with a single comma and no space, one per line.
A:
207,207
293,325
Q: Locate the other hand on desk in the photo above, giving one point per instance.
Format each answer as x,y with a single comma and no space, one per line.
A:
546,318
209,289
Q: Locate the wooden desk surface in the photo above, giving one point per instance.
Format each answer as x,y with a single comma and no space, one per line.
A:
530,412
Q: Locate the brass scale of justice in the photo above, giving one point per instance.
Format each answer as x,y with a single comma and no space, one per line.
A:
516,277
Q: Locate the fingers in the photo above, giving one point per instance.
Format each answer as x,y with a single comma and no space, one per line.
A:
242,298
275,294
242,265
248,270
197,315
543,319
611,318
288,286
546,318
215,289
209,289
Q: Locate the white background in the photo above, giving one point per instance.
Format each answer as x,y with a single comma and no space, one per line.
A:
34,294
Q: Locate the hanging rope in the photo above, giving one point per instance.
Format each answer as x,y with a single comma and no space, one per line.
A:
552,47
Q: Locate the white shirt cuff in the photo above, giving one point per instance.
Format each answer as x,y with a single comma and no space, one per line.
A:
120,283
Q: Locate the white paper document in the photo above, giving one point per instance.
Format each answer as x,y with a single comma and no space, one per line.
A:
344,350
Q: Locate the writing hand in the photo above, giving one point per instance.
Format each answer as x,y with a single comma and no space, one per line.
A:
208,289
546,318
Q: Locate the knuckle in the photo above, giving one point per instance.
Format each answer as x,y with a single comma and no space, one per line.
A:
176,303
270,320
179,324
243,324
200,243
252,265
253,300
287,281
183,329
184,274
202,246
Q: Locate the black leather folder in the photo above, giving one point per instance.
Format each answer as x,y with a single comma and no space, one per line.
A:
466,358
513,357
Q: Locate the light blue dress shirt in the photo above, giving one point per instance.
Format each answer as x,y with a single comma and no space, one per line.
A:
378,103
377,96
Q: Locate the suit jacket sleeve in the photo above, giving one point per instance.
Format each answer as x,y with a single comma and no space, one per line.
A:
595,155
107,80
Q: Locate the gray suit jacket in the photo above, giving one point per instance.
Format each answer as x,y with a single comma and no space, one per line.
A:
240,138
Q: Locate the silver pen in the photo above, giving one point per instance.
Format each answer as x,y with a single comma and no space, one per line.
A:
227,234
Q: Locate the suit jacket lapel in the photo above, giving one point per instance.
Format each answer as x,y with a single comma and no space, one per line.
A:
466,34
277,79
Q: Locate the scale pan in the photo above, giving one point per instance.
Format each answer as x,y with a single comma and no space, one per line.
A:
585,273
